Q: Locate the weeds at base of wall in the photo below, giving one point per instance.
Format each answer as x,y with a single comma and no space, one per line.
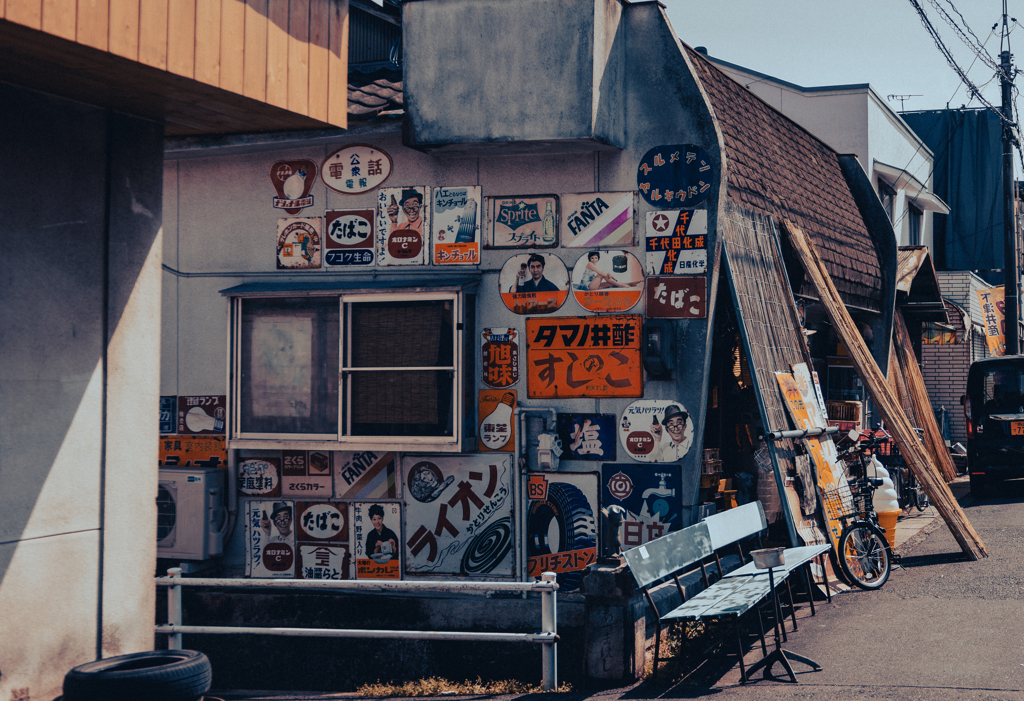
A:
435,686
686,647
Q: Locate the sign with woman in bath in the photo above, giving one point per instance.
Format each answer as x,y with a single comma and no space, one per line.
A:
656,430
607,281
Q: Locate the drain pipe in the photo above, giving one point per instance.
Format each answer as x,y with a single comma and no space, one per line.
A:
523,459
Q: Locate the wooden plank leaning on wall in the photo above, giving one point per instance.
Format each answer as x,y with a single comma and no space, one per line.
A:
914,380
888,405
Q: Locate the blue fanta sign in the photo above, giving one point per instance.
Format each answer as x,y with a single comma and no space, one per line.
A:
587,436
651,496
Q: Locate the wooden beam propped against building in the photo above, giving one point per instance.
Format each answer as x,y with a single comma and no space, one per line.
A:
888,405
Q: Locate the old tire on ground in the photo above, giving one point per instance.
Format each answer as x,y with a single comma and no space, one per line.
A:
160,675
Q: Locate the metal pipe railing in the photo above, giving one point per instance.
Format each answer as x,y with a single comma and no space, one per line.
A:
547,638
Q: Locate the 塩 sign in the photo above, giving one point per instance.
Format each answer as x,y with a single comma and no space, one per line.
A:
584,356
677,297
587,436
677,242
675,176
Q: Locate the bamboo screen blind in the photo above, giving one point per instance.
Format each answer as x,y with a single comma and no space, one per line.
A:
291,54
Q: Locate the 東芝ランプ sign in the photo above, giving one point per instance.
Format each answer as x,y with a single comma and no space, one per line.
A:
584,356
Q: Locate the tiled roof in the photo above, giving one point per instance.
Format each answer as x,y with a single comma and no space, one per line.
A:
371,93
776,167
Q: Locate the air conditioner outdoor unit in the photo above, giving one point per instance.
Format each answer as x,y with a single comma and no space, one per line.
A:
191,516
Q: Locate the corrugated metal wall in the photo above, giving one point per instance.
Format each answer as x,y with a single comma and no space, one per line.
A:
370,38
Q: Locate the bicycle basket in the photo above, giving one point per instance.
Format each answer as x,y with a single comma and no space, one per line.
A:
838,501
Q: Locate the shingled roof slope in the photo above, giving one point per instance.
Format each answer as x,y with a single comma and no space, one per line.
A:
375,92
778,168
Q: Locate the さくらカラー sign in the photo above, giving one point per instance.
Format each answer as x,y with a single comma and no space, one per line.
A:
584,356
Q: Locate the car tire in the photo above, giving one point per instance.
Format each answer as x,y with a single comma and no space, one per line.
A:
980,484
159,675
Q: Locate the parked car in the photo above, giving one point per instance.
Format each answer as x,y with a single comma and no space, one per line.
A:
994,410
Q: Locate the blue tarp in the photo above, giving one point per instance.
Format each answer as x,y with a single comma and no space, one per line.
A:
968,176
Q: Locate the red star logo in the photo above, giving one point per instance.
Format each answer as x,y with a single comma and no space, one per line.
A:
660,222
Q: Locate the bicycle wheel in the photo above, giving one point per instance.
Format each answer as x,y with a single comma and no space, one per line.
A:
864,555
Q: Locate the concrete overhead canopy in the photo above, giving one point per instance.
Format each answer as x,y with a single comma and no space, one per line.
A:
917,191
533,76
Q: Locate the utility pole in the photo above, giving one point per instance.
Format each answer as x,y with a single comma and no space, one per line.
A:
1011,273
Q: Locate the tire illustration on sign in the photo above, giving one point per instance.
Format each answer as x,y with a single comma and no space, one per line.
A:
562,522
489,548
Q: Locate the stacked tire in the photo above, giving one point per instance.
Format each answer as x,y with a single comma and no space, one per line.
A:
160,675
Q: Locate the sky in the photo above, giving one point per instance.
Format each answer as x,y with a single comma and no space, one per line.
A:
836,42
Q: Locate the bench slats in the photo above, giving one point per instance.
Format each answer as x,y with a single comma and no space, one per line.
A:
736,524
795,557
670,553
728,597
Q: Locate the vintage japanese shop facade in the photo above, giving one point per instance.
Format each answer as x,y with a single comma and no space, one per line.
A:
446,339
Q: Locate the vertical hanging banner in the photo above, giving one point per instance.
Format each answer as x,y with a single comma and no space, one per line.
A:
269,539
376,541
458,517
652,498
533,283
522,222
675,176
561,526
306,474
365,474
293,180
497,427
349,238
598,219
607,281
587,436
356,169
676,242
455,221
403,225
298,243
994,319
584,356
499,352
656,430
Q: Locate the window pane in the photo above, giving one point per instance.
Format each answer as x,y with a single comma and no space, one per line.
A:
402,403
402,334
289,366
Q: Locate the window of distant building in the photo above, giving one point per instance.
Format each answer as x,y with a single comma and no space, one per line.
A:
915,216
888,197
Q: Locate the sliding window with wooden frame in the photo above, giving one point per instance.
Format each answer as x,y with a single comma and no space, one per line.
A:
349,370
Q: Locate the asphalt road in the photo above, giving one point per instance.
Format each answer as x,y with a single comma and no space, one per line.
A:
942,628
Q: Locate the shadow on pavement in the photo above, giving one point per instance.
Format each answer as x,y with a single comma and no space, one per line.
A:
911,561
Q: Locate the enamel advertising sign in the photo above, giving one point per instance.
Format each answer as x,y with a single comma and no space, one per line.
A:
677,242
260,476
656,430
376,540
202,415
500,357
349,238
322,521
587,436
458,517
194,451
356,169
584,356
607,281
651,497
534,283
306,474
298,243
324,561
455,218
270,539
598,219
522,222
675,176
497,429
293,180
677,297
403,225
365,474
561,526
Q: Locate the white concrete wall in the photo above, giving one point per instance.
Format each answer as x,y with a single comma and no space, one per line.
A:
79,342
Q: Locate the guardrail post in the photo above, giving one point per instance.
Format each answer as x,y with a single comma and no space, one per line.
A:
174,608
549,624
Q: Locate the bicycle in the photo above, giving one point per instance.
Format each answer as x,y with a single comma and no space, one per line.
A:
908,489
863,552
